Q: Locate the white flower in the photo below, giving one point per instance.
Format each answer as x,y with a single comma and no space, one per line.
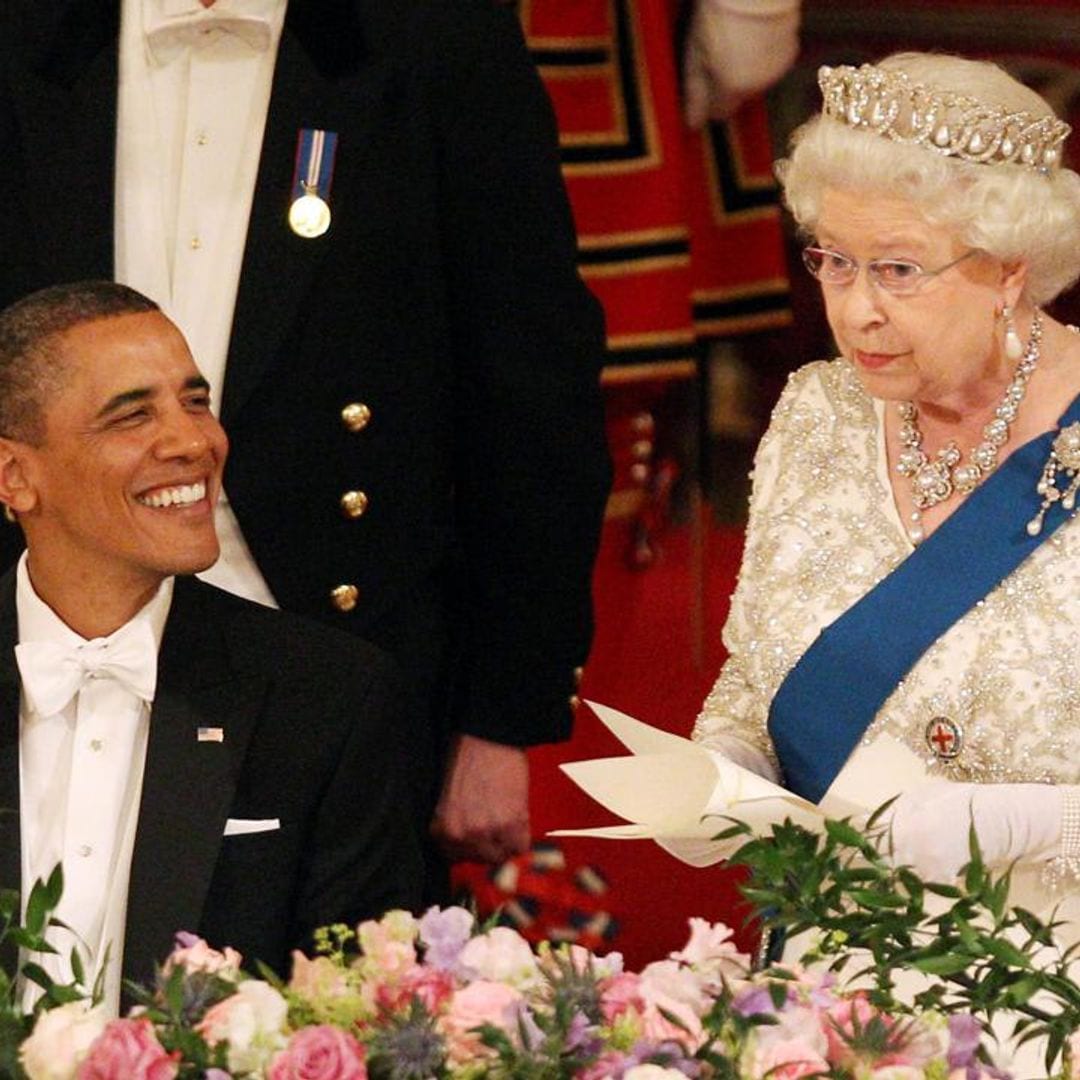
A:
60,1040
711,950
898,1072
251,1021
652,1072
501,955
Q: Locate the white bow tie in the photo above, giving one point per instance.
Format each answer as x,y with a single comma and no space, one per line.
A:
53,674
168,34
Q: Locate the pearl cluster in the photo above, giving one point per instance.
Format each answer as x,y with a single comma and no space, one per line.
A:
889,104
1064,456
1066,866
933,482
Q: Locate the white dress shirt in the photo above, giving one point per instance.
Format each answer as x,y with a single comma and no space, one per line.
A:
189,135
80,780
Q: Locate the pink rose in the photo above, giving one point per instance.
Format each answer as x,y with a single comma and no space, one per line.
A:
619,995
478,1003
194,955
432,986
128,1049
917,1047
319,979
320,1053
785,1060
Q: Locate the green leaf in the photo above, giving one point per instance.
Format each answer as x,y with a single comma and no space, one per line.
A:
949,964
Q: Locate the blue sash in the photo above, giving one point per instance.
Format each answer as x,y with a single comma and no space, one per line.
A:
833,693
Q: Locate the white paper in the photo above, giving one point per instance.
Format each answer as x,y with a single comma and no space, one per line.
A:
677,793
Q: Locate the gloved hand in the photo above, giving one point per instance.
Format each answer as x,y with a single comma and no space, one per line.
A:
1014,822
744,754
735,49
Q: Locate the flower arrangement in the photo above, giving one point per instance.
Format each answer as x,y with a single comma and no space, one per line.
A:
437,997
441,998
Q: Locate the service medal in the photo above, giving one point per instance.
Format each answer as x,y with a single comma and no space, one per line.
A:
309,216
309,213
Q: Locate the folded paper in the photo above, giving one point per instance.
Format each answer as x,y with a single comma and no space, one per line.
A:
681,795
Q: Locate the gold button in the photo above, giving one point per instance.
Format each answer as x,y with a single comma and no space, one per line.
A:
579,672
574,701
356,416
642,450
354,503
345,597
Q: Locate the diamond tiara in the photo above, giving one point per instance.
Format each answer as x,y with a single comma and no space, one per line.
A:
889,104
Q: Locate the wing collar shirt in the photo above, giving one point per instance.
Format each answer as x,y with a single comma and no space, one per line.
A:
193,97
81,773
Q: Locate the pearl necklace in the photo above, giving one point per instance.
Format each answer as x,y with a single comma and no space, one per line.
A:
933,482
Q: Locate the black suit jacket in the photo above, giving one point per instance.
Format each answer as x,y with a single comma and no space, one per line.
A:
444,297
314,735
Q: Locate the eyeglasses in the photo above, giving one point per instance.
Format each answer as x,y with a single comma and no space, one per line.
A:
901,277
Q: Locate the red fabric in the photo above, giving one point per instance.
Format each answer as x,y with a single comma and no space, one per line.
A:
679,231
643,663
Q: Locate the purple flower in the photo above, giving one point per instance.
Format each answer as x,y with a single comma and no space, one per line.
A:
964,1036
444,934
754,1001
185,939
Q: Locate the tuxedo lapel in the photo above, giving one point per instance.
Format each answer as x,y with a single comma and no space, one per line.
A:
340,93
67,119
188,784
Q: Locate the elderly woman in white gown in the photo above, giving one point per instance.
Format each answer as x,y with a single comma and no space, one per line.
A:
912,565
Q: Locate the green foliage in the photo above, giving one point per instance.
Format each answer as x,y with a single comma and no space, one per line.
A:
43,900
870,919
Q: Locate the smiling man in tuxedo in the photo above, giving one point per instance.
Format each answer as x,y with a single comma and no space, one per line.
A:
408,374
194,761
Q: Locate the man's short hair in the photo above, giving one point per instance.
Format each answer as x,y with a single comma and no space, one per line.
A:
31,363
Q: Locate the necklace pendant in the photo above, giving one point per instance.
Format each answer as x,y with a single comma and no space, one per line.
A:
931,484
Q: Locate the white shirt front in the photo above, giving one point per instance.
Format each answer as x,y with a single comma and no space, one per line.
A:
189,137
80,781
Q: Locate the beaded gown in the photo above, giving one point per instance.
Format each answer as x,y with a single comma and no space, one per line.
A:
824,529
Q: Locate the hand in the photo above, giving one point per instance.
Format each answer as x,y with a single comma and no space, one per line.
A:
483,811
734,50
744,754
1014,822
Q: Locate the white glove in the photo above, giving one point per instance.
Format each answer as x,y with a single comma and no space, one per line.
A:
1014,823
744,754
735,49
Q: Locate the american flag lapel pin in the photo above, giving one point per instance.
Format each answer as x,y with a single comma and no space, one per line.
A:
211,734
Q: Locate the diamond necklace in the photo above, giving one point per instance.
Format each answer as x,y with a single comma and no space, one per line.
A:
933,482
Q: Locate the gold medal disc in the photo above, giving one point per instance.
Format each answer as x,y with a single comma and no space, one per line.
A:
309,216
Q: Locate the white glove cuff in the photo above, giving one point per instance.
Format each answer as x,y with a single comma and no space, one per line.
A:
1063,871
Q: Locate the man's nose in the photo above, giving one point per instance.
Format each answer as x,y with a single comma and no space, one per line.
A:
184,434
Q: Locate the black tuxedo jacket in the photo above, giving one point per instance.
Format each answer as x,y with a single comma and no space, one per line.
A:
313,735
444,297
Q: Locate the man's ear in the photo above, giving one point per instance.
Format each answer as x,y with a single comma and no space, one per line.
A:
17,493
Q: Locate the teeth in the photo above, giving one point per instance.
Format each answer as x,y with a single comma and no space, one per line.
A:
177,496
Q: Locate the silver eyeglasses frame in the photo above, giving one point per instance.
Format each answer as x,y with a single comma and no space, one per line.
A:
899,277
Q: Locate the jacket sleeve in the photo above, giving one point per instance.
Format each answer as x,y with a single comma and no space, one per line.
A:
532,470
